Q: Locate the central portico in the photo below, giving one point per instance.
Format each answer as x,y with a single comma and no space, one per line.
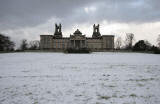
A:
77,40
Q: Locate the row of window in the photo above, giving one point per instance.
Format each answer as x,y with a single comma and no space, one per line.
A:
59,45
94,45
60,40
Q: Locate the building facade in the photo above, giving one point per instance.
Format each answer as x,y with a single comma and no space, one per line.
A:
57,42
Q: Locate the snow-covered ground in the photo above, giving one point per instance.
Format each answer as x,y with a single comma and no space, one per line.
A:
96,78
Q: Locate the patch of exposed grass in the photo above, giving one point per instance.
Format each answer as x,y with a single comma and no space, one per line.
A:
143,80
147,88
99,103
36,102
27,94
24,85
114,95
25,71
133,95
104,97
78,95
48,92
111,86
122,96
141,85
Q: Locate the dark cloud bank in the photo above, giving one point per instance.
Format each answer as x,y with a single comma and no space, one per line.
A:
27,13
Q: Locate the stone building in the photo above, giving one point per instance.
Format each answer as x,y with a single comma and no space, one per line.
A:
57,42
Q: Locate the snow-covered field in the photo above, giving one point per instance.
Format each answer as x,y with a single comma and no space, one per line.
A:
97,78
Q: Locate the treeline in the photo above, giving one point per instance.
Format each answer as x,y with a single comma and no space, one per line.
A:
6,45
139,46
31,45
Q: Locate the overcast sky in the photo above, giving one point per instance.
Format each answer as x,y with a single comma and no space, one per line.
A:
27,19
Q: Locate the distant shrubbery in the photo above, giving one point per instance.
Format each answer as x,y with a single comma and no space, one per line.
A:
81,50
140,46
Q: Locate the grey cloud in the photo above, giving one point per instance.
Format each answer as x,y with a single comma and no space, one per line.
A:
125,11
18,13
27,13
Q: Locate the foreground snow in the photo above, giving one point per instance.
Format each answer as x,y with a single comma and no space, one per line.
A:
97,78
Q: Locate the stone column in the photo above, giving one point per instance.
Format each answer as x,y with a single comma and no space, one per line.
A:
80,43
74,44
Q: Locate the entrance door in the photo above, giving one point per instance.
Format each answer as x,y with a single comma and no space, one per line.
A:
77,44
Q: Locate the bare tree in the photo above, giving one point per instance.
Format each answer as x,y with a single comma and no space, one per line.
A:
34,44
158,41
118,43
24,45
129,40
